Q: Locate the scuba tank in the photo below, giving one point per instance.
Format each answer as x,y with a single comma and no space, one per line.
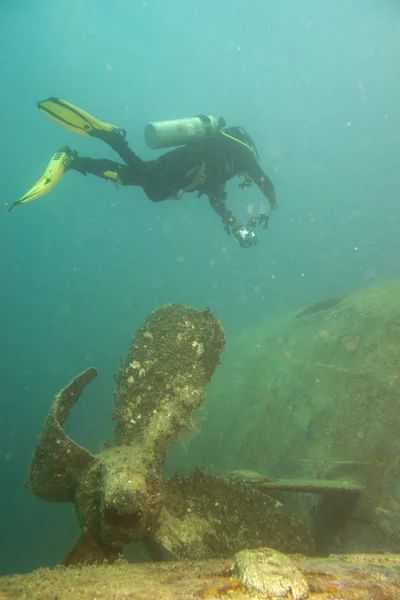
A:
167,134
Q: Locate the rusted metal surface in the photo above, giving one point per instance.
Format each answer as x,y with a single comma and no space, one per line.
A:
314,486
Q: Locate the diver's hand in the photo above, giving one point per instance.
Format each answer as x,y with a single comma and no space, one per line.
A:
263,220
236,225
231,223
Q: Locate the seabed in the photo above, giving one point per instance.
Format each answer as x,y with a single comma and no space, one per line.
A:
367,577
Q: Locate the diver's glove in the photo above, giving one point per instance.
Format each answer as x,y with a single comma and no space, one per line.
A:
265,214
263,220
244,233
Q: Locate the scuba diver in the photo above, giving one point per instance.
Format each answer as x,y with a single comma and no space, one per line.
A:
208,154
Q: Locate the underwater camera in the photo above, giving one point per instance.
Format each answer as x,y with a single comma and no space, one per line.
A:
246,235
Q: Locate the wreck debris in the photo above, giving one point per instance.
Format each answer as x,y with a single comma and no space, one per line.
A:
325,391
121,494
173,356
306,486
269,572
58,462
204,517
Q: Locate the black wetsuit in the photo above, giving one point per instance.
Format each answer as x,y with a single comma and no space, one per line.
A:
178,170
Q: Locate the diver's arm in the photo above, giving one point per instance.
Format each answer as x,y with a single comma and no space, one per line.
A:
218,204
264,183
243,232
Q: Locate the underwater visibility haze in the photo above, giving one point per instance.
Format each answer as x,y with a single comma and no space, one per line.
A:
315,83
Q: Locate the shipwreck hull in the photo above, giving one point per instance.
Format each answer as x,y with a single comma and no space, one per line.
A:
316,395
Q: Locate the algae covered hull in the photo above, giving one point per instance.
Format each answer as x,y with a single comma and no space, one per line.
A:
316,396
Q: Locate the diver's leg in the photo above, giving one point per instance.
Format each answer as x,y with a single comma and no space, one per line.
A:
143,174
120,145
75,119
67,160
60,162
108,169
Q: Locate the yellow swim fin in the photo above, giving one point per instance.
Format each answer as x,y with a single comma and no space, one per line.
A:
60,161
78,120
